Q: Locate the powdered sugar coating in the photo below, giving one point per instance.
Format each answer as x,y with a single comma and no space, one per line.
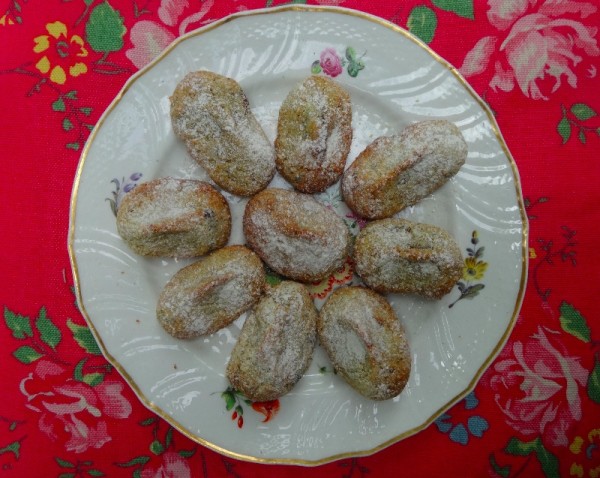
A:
212,116
174,217
314,133
210,294
295,235
276,343
395,172
365,342
397,255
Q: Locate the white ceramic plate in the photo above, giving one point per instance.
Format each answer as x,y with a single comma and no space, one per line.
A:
393,80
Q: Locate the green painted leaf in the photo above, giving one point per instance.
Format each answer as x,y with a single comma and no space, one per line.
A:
20,325
67,124
315,68
593,385
14,448
105,29
93,379
463,8
503,471
229,399
83,336
582,111
49,333
64,463
26,354
573,322
138,460
564,129
351,54
422,22
74,146
157,447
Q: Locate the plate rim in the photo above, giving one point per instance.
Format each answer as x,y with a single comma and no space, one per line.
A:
147,402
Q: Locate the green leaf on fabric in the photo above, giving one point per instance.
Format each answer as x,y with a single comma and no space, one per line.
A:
582,138
83,336
105,29
582,112
26,354
93,379
564,129
74,146
148,421
138,460
573,322
72,95
186,453
58,105
169,437
503,471
66,475
94,472
157,447
14,448
20,325
86,110
422,22
64,463
463,8
547,459
49,332
67,124
593,384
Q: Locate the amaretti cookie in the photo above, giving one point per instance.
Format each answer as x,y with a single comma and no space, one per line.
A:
210,294
397,255
276,343
211,114
365,342
295,235
395,172
174,218
314,132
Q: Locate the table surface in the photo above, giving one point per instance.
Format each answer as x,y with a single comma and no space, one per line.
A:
535,411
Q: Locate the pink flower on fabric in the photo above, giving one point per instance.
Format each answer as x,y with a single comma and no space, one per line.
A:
330,62
149,40
173,466
71,411
537,387
537,46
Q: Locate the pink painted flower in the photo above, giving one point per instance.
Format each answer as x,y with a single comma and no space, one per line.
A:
71,411
173,466
330,62
149,40
537,387
539,43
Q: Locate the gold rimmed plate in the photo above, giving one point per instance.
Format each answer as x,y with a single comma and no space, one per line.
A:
394,80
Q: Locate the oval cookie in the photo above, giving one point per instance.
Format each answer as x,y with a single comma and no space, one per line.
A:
395,172
174,218
276,343
295,235
211,115
365,342
397,255
211,293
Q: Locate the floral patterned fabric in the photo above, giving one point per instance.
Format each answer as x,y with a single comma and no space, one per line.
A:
536,411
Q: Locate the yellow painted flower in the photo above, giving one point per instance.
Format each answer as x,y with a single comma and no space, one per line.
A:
61,53
473,269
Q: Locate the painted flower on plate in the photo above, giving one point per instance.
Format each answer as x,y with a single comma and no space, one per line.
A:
538,44
537,386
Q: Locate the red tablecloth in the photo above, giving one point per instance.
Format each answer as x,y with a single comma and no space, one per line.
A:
535,412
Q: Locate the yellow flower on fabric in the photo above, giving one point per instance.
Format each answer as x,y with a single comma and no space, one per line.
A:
6,20
61,53
473,269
